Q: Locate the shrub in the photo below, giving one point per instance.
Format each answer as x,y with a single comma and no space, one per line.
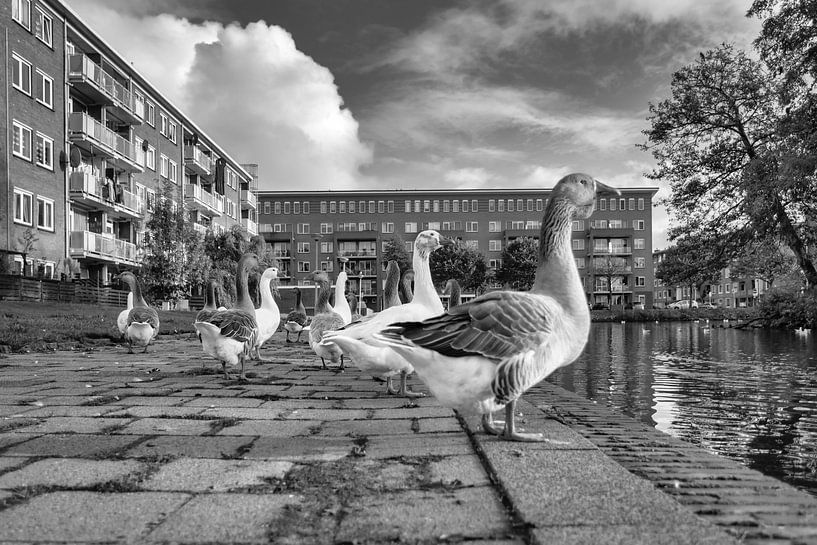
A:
789,309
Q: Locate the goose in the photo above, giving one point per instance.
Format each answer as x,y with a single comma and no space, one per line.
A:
229,335
267,316
210,305
406,280
452,288
341,304
122,319
374,357
483,355
325,319
296,319
142,324
391,294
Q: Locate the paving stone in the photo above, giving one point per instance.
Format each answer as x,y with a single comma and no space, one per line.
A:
390,427
628,535
416,445
88,516
272,428
77,424
301,449
144,411
11,462
150,401
69,472
190,446
464,470
11,438
235,402
206,475
167,426
72,446
422,516
221,518
88,411
325,414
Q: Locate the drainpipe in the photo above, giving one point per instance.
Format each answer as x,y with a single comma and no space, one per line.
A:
9,204
65,174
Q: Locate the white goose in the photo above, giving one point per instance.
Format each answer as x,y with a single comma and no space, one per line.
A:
325,319
481,356
341,304
122,319
268,316
143,321
229,335
357,339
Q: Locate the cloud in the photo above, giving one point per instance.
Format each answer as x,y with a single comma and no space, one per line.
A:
249,88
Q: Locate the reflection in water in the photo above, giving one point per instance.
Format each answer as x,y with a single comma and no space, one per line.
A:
748,395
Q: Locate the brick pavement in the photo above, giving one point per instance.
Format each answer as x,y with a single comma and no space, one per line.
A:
104,446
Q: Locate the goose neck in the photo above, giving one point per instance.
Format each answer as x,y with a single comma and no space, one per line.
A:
424,292
556,273
267,301
242,289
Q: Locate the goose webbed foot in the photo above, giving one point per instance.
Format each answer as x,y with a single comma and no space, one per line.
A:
491,426
404,390
509,432
224,368
323,363
145,351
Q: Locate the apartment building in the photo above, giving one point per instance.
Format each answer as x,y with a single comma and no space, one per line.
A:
328,230
90,144
727,291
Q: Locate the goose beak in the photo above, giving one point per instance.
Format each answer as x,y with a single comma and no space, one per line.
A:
447,241
604,189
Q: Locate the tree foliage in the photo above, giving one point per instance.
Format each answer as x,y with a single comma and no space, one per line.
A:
395,250
519,261
463,264
718,141
689,263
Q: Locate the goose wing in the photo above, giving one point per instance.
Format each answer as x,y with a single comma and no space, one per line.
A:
144,315
497,326
235,324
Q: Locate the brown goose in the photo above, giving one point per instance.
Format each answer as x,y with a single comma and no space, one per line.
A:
142,324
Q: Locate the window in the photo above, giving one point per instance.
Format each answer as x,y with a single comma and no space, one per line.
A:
172,133
641,204
409,246
361,207
150,157
578,225
539,206
500,205
323,207
426,206
639,262
616,224
410,227
602,204
287,207
45,213
173,171
510,205
390,207
640,281
21,12
45,151
303,266
580,262
529,205
342,207
296,207
163,164
22,206
333,207
150,109
494,263
494,245
305,207
44,89
471,226
491,205
613,205
638,225
631,204
456,206
387,227
638,243
600,224
381,207
163,124
303,247
277,208
446,206
464,205
43,26
21,73
577,244
327,247
267,207
326,228
519,205
435,206
622,204
22,140
474,205
303,228
493,226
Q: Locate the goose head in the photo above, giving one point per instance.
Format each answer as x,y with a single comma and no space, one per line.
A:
579,191
319,277
429,240
270,273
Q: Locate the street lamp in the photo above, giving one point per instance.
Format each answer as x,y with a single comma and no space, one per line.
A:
317,237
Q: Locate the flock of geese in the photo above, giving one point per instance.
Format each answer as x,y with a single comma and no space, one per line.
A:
478,357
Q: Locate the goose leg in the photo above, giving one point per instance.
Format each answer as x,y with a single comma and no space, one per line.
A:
323,363
145,351
130,346
288,337
341,368
390,385
510,433
242,376
404,391
490,426
224,368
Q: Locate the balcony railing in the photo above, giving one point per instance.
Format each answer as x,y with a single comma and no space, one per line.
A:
615,250
83,128
197,198
358,253
88,244
83,71
197,161
265,228
94,191
199,228
248,199
249,225
281,253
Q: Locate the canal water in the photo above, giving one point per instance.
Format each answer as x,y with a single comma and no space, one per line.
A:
747,395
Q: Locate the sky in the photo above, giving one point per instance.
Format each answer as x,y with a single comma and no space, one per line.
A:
419,94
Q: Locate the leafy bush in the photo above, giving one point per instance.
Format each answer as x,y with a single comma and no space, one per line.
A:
789,309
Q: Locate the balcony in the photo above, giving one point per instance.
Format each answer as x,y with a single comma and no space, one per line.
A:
358,253
91,80
94,137
249,225
613,250
248,200
198,199
197,162
281,254
93,192
265,228
101,247
200,229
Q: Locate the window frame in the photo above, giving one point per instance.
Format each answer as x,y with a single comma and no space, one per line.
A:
23,195
42,77
16,11
23,130
18,61
49,204
42,17
48,143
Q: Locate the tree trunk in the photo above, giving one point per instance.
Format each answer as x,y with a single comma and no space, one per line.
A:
795,243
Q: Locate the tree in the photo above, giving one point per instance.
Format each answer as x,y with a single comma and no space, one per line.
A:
167,267
519,261
717,141
767,260
689,263
612,268
395,250
463,264
225,249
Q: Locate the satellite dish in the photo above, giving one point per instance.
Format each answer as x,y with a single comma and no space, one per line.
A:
75,157
145,145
